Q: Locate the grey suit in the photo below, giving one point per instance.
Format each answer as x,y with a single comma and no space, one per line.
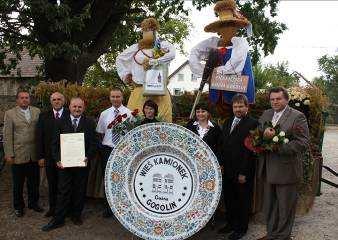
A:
19,143
281,170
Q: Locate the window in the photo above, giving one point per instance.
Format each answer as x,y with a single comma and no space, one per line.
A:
180,77
193,77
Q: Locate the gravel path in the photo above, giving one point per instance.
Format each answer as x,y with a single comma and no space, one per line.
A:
319,224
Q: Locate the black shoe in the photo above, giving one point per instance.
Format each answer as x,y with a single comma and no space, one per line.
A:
107,213
236,235
77,221
50,213
18,212
36,208
53,224
226,229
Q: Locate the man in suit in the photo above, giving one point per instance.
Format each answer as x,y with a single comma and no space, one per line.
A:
20,151
72,181
239,168
281,169
108,140
45,129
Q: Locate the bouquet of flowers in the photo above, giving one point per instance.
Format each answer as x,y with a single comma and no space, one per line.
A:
270,139
122,124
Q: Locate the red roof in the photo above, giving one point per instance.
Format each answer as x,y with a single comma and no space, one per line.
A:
26,67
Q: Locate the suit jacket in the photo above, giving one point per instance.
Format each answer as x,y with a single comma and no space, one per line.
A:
19,135
86,126
44,134
213,138
236,157
284,166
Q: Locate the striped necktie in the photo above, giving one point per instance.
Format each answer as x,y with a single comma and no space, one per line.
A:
115,135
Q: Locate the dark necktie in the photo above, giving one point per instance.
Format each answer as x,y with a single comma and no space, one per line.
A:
75,124
57,115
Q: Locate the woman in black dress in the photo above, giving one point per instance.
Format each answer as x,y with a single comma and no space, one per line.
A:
209,131
150,110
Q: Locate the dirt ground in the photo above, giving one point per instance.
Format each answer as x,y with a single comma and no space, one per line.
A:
319,224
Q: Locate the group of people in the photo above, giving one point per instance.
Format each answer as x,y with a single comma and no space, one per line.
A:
280,170
32,140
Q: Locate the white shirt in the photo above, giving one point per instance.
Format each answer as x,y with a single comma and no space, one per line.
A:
235,65
26,112
126,64
277,116
234,123
60,112
106,117
202,131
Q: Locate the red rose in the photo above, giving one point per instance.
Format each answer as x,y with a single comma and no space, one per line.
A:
119,118
248,143
135,112
124,115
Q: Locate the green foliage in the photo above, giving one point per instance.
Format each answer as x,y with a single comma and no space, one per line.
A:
273,76
96,76
329,79
71,36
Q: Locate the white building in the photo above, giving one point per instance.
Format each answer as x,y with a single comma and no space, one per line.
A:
183,80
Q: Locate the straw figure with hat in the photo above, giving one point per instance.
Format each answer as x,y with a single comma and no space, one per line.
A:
227,50
141,61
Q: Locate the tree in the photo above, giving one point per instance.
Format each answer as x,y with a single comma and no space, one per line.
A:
70,35
273,76
329,79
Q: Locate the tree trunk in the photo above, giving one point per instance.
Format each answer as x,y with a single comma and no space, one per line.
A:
60,69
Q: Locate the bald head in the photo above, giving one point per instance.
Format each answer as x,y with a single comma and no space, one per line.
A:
76,107
57,100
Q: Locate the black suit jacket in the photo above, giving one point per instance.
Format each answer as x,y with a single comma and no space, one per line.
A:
237,159
86,126
213,138
44,132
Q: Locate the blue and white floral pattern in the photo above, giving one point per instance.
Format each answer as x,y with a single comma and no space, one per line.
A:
152,139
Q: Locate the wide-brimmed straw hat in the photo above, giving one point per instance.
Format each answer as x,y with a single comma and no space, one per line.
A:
227,13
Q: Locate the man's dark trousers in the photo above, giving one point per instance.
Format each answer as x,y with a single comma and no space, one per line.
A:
105,154
72,186
52,177
20,172
238,198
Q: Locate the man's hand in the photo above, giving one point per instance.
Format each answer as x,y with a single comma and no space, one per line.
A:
41,162
269,133
241,179
59,165
129,78
9,160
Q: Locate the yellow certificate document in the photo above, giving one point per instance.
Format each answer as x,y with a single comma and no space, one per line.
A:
72,150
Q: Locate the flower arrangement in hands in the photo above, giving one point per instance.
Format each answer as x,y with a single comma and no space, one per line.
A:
268,139
122,124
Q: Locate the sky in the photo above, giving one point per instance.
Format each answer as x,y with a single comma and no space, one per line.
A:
312,32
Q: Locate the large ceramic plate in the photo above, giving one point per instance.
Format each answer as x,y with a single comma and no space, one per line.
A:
162,182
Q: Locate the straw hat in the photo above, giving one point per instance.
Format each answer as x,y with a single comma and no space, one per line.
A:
227,13
150,24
